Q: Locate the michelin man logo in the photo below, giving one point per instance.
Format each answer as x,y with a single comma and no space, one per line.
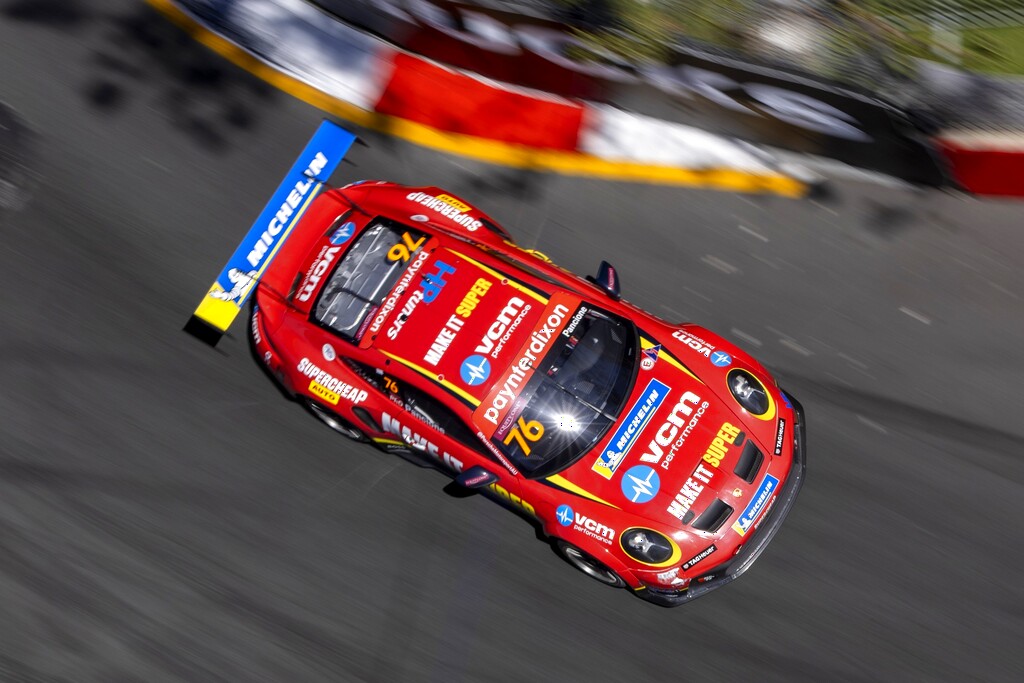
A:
239,282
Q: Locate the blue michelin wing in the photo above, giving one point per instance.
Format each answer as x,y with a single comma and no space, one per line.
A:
229,292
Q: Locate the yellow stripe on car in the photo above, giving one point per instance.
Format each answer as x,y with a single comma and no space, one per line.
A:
433,376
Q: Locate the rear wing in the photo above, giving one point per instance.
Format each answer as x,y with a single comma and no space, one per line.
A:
231,289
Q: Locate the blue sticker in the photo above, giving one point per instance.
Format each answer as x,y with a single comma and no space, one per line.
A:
721,359
475,370
565,515
756,505
432,283
630,428
640,484
343,234
785,399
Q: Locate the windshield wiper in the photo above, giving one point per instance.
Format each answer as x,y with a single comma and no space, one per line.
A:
545,377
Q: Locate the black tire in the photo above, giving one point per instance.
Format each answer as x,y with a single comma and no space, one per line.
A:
335,422
587,564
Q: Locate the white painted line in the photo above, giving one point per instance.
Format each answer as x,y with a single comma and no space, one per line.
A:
719,264
965,264
915,274
916,316
697,294
866,374
748,201
746,337
753,233
766,261
157,164
792,345
872,424
792,265
839,379
1004,290
826,208
821,343
853,361
677,314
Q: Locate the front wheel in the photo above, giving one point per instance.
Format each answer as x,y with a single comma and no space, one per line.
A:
335,422
587,564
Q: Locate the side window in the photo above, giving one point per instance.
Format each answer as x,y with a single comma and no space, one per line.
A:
426,408
376,378
420,405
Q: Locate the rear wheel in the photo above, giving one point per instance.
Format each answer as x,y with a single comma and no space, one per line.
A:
590,566
335,422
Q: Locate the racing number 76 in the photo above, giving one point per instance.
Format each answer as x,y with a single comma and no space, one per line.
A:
525,434
404,249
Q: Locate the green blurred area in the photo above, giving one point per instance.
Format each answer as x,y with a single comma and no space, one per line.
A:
994,50
980,35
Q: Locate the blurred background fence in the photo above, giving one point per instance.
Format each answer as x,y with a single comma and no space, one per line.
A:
960,60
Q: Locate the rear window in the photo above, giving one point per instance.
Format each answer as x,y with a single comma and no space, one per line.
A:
361,280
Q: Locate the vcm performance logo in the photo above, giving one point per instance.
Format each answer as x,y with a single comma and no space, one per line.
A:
475,370
629,431
564,515
640,484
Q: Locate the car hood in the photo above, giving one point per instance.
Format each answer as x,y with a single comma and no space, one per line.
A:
457,320
682,440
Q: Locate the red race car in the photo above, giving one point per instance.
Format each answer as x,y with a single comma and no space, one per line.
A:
653,455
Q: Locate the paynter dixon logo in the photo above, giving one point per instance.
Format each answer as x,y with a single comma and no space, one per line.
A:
640,484
475,370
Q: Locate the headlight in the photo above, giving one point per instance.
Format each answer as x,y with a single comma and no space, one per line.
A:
649,547
749,392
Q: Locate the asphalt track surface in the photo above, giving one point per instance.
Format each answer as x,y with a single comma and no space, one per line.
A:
166,515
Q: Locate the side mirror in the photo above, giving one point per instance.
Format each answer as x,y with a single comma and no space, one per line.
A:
607,279
476,477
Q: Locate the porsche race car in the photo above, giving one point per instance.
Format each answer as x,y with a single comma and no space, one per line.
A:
654,456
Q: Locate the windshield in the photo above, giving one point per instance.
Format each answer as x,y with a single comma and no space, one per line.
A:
365,275
573,397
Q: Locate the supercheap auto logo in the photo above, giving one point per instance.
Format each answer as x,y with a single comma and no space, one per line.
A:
629,431
449,207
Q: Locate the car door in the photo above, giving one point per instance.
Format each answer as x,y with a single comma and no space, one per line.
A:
458,446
